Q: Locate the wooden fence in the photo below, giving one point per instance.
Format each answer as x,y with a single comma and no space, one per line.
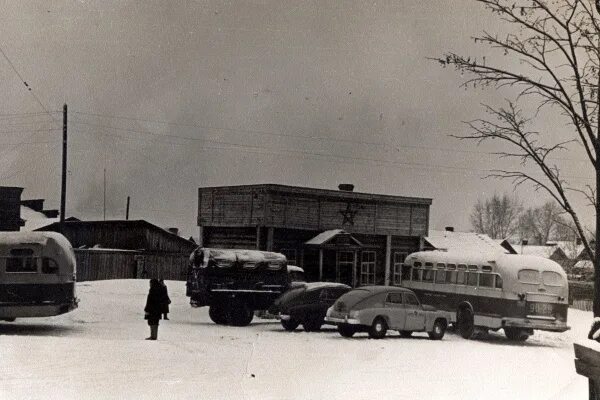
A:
100,264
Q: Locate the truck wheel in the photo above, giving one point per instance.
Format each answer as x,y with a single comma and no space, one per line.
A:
313,324
466,323
289,324
241,315
217,315
516,334
346,330
378,328
406,334
439,328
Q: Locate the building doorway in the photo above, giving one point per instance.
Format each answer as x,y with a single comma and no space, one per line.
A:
345,266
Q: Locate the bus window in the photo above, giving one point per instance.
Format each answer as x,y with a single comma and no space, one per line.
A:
530,276
450,276
440,265
461,278
428,264
440,276
451,266
462,267
486,268
551,278
498,284
428,275
417,264
473,268
21,260
472,279
416,275
486,280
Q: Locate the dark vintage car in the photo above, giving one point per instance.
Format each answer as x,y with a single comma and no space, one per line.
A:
307,305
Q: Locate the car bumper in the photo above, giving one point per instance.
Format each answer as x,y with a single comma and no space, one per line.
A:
338,321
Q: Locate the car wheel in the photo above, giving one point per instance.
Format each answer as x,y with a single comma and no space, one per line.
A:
378,328
439,328
217,315
466,323
312,324
516,334
289,324
406,334
346,330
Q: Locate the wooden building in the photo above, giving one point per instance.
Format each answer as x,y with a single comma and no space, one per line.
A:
335,235
10,208
125,249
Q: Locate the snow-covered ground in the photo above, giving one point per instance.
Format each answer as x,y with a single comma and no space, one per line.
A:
99,352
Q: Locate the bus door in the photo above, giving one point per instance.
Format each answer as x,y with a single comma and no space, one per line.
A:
415,316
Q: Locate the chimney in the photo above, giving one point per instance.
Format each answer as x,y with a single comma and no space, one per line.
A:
346,187
174,231
449,229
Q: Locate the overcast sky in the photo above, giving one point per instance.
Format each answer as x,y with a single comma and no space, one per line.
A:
309,93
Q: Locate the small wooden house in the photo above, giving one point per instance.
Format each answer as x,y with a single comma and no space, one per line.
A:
335,235
122,249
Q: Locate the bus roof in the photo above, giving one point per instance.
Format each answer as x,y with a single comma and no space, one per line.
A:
11,239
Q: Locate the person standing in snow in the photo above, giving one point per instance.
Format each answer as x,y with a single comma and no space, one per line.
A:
154,308
165,299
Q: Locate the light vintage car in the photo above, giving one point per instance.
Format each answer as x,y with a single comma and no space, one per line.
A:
377,309
307,304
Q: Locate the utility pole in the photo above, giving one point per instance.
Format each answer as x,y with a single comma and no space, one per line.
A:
104,206
127,209
63,186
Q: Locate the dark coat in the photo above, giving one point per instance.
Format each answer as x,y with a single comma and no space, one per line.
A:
165,300
153,309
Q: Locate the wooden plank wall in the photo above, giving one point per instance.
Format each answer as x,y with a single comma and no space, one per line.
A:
236,238
101,265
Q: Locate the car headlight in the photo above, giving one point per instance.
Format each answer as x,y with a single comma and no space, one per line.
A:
329,310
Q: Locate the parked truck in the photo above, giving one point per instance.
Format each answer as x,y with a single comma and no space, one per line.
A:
234,283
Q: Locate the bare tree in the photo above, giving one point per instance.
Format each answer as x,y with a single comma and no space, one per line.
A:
555,46
540,224
497,216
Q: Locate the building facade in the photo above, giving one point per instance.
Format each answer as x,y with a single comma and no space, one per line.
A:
335,235
10,208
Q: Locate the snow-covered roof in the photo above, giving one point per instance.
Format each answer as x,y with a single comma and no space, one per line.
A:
34,219
319,285
569,247
540,251
326,236
584,264
464,241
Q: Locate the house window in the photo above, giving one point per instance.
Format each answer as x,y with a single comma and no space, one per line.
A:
397,267
367,268
290,254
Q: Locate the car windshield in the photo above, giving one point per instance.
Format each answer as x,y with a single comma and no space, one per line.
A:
354,296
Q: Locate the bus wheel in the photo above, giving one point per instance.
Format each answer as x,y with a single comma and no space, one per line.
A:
378,328
516,334
217,315
289,324
466,323
346,330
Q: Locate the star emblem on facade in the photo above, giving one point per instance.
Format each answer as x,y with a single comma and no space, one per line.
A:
348,214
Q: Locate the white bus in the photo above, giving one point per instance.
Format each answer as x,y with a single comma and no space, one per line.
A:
516,293
37,275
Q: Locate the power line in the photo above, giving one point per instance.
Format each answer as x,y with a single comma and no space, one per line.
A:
319,156
256,132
